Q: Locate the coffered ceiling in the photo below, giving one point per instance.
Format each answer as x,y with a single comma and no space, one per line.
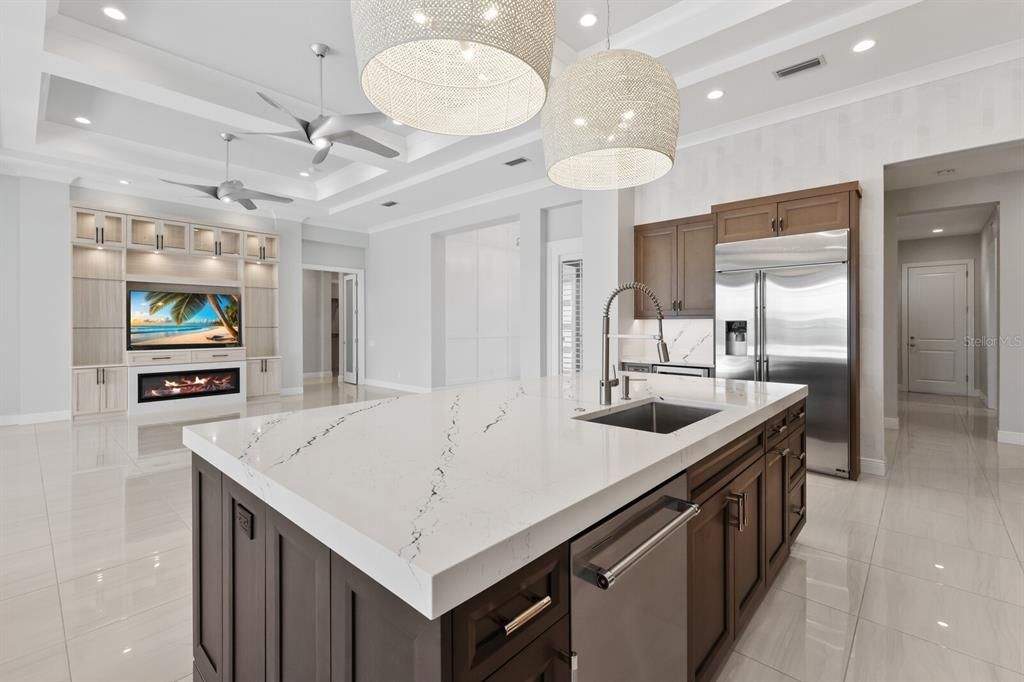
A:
159,86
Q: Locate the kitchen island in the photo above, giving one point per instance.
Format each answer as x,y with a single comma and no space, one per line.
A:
426,537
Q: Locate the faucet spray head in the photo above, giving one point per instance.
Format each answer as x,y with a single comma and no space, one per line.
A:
662,351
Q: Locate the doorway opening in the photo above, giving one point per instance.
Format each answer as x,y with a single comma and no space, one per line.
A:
332,324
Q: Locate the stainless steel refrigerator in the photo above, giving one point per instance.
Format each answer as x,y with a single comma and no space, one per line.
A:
782,314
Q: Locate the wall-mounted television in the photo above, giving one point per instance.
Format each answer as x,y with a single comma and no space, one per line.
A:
179,317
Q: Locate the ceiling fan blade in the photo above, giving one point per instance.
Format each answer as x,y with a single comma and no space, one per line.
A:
321,154
303,123
290,134
244,194
354,139
340,123
247,203
205,189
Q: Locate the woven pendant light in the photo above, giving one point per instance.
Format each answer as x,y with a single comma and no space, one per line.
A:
611,121
461,67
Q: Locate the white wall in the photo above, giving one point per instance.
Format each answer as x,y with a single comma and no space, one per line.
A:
854,142
1006,189
988,313
35,303
482,301
333,255
312,321
933,250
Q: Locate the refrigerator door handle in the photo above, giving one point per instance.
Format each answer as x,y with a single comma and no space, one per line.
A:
764,330
757,326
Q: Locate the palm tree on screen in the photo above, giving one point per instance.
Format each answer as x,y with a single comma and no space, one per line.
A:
182,307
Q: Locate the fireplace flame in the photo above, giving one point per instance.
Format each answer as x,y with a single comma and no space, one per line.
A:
191,384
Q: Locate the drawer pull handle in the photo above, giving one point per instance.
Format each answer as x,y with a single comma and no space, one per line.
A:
162,357
799,511
741,509
606,577
526,616
782,428
802,414
220,355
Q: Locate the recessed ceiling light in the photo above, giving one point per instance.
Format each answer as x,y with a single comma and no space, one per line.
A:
942,623
304,174
125,182
588,20
937,230
226,200
864,45
83,120
114,13
716,94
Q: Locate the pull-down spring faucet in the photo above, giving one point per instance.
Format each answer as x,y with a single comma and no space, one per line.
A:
608,383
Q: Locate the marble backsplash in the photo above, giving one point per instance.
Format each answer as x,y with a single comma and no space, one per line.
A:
690,340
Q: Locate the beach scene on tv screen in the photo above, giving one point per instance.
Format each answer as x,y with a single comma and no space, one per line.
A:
171,318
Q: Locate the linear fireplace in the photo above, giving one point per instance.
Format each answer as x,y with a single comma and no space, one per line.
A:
188,383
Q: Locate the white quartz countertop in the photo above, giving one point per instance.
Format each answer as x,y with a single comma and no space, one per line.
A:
441,495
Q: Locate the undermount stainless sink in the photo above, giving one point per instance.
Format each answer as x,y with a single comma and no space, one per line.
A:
655,417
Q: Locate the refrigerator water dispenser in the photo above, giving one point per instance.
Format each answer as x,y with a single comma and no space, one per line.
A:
736,337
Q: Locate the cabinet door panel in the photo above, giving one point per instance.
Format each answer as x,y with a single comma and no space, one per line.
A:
207,570
97,302
709,577
544,660
85,226
655,266
814,214
253,378
272,377
174,237
752,222
142,233
695,269
115,389
245,561
776,511
298,604
87,395
749,546
112,230
375,635
797,508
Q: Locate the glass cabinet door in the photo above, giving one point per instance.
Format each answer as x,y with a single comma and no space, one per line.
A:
252,245
142,233
270,248
86,226
174,237
112,230
204,240
230,243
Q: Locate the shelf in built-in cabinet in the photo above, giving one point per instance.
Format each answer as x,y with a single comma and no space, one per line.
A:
138,277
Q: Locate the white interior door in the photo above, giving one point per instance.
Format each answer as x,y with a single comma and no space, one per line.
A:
936,328
349,331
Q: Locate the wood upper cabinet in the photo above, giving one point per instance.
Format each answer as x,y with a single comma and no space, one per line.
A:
157,235
676,259
809,210
217,241
655,256
97,228
748,222
260,247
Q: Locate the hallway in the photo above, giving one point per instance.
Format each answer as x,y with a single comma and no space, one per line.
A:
914,577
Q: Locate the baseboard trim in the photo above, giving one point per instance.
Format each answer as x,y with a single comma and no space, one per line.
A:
35,418
873,467
295,390
892,423
408,388
1012,437
322,374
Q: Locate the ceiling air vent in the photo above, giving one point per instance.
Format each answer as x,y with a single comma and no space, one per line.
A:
516,162
794,69
389,204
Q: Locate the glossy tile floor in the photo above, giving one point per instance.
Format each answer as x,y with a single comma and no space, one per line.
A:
95,548
914,577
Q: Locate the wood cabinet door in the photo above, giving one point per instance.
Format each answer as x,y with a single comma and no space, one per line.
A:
230,243
655,266
272,376
298,604
207,570
546,659
814,214
142,233
112,230
710,627
253,378
776,530
751,222
173,237
748,568
244,529
797,508
87,396
695,269
377,636
204,240
114,383
85,226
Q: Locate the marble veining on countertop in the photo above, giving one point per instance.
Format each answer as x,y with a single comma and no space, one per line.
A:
438,496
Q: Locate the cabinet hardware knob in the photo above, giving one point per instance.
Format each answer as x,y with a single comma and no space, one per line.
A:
526,616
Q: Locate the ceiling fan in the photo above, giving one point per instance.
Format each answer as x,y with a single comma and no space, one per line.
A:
324,131
233,190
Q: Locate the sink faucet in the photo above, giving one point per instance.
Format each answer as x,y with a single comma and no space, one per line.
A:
608,383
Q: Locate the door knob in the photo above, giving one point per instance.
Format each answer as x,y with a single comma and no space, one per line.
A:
913,345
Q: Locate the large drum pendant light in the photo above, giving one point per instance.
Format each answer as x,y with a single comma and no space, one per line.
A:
461,67
611,122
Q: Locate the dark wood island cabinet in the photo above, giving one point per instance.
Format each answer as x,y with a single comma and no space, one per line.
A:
271,603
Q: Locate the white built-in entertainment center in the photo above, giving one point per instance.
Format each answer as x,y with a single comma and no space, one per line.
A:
113,254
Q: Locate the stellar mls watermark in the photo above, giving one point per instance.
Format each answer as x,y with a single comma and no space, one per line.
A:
1015,341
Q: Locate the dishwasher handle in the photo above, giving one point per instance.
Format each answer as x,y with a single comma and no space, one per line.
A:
606,577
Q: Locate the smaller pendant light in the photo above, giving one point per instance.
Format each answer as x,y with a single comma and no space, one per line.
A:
461,67
611,121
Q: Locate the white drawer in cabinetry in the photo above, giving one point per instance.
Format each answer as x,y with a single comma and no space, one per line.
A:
168,357
218,355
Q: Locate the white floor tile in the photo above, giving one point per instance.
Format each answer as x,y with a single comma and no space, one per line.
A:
825,578
26,571
29,622
839,536
739,668
44,665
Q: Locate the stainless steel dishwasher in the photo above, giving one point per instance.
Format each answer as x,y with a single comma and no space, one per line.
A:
629,591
